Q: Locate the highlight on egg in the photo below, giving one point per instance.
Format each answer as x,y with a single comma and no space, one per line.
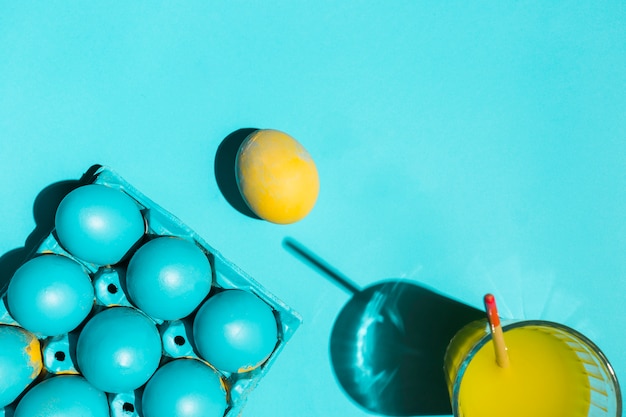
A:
50,294
118,349
235,331
185,387
98,224
168,277
276,176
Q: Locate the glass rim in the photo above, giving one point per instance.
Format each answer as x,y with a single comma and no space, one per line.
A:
612,376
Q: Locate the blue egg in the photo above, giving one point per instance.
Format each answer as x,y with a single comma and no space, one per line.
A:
168,277
235,331
63,396
185,388
50,295
20,362
98,224
118,349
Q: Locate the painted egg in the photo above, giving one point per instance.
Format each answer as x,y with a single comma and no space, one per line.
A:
98,224
50,295
20,362
168,277
235,331
276,176
184,388
118,349
63,396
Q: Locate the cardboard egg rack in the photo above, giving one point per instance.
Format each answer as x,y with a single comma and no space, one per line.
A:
58,352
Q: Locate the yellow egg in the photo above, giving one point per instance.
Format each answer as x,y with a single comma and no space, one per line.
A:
276,176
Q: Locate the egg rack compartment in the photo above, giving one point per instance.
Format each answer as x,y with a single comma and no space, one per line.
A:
58,353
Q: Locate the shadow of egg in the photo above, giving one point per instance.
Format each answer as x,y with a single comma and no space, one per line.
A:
224,170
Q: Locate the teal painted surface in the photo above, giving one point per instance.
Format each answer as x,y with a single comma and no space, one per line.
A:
470,147
63,396
184,388
118,350
235,331
98,225
18,366
167,278
50,295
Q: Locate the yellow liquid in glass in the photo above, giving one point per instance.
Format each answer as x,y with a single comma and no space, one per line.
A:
545,379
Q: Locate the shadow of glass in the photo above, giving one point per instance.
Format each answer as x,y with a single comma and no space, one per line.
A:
44,212
224,170
388,343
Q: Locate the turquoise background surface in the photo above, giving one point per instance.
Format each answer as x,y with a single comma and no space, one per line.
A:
472,147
